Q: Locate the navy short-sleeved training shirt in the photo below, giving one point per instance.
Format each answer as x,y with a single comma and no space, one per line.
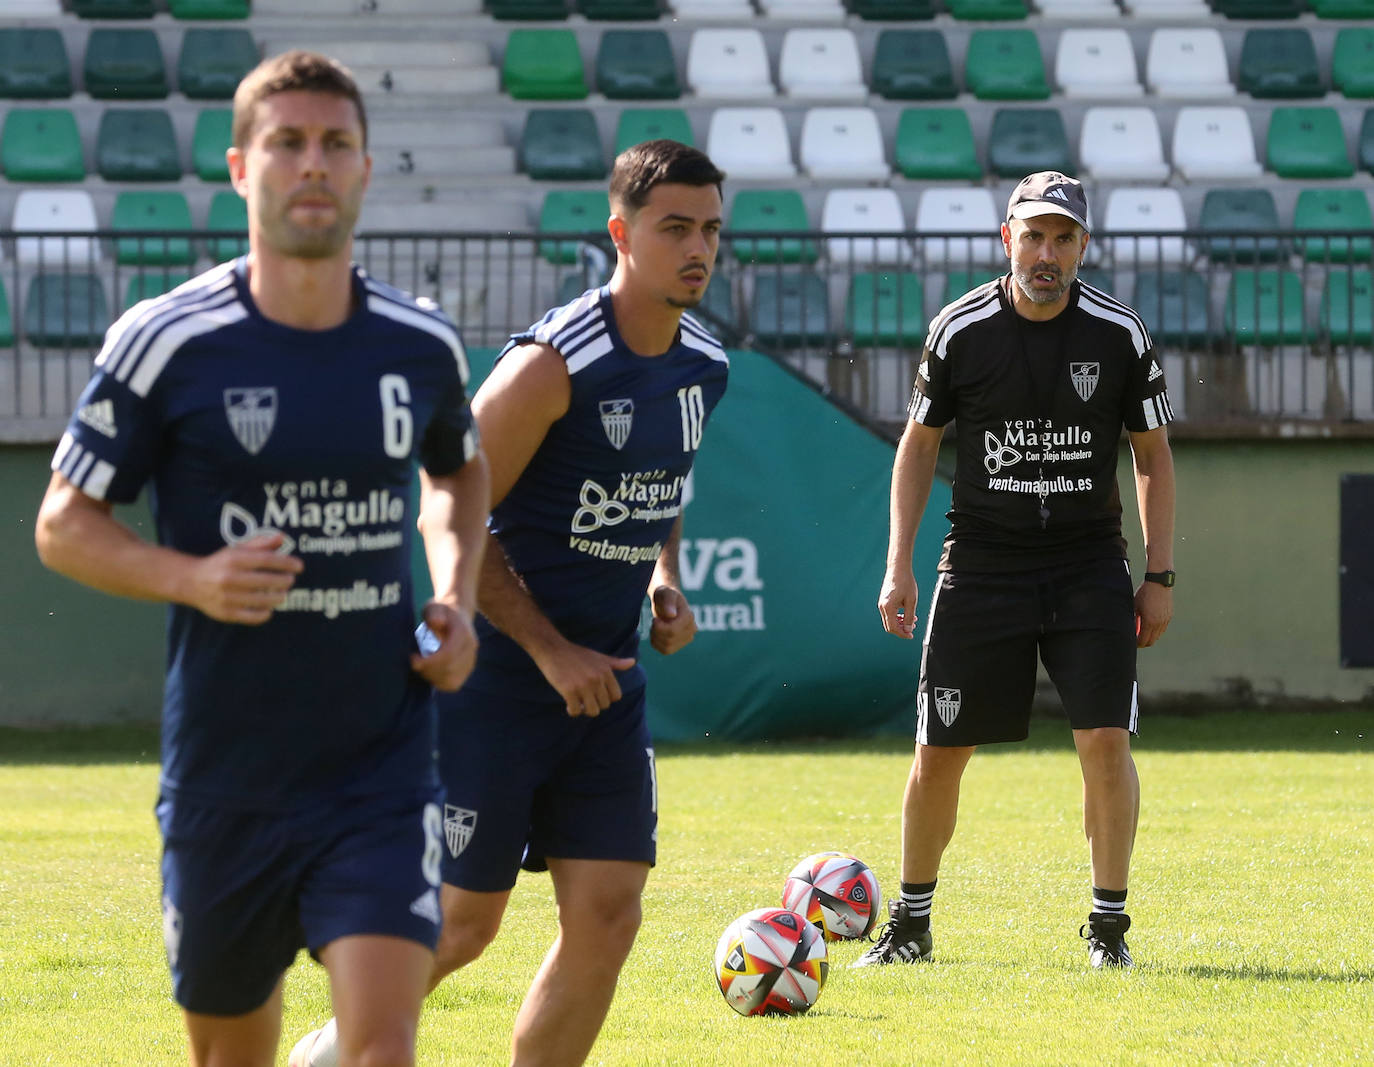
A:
240,425
585,522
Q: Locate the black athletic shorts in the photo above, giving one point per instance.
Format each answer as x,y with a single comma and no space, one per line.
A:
978,666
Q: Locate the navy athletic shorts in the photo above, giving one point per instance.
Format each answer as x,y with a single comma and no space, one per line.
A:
978,666
526,781
243,892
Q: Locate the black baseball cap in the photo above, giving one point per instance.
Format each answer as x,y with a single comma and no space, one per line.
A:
1048,192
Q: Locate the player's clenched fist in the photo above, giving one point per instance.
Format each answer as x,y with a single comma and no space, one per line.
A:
243,583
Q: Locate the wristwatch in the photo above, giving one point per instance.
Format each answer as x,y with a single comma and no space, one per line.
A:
1164,578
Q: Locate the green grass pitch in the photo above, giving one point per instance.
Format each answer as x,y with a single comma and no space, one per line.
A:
1250,895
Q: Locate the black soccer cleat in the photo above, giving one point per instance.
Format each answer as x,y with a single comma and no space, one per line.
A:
1106,937
900,941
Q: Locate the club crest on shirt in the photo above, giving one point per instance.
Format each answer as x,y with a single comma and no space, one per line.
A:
947,704
459,823
1084,377
252,412
616,418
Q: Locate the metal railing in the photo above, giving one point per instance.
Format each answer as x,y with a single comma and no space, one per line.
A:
1254,330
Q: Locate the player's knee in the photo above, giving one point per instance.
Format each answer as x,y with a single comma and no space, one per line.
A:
463,938
612,927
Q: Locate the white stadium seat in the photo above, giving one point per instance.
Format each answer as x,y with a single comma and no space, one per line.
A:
948,209
750,143
1143,211
55,209
1214,143
1169,10
1079,9
821,63
843,144
1188,63
714,10
1097,64
1122,144
804,10
729,62
865,211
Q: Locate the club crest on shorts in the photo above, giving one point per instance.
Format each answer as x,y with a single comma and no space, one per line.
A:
947,704
252,413
1084,377
616,418
458,826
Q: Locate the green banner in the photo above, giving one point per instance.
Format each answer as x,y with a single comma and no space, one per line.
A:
783,546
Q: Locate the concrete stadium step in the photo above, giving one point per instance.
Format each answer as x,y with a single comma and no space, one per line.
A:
379,83
442,162
398,55
375,10
438,130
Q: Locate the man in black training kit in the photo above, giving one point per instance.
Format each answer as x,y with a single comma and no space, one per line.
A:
1042,373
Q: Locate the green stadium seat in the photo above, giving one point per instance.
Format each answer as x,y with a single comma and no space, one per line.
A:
543,65
885,309
1347,310
228,215
636,65
1249,210
213,62
652,124
561,144
1098,277
1259,9
1005,65
148,213
571,211
150,283
959,282
528,10
66,310
936,143
125,65
114,9
618,10
1352,62
41,145
137,145
892,10
1265,307
33,64
1366,146
779,211
717,309
1343,9
1307,142
790,309
987,10
211,139
6,319
1335,210
208,9
1025,140
1279,64
1175,307
913,65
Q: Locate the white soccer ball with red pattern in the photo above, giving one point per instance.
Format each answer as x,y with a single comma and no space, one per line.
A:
771,961
837,892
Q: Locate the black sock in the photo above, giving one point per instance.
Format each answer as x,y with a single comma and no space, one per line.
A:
1109,901
917,896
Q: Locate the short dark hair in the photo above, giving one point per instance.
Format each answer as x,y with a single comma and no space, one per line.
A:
295,70
641,167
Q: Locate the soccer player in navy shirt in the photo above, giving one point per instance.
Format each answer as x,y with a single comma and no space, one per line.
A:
591,419
1043,373
275,407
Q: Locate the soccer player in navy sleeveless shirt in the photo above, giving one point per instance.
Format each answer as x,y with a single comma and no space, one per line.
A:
276,406
591,420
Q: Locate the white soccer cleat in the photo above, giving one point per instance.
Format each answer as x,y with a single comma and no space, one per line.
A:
319,1048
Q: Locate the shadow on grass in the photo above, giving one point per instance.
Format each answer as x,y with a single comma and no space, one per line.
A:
1250,973
1335,730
